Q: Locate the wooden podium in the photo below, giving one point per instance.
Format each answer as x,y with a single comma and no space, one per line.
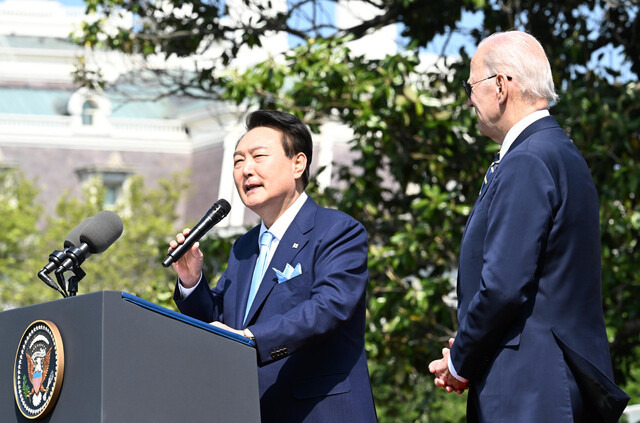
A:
128,360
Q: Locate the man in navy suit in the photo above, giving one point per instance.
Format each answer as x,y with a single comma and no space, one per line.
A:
307,313
531,344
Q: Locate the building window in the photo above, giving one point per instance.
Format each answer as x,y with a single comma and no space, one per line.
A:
112,182
89,109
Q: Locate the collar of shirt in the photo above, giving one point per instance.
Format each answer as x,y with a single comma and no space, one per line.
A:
518,128
281,225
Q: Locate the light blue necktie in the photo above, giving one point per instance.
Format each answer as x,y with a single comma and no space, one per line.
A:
259,270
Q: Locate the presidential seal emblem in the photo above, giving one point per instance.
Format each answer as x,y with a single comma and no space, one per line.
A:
38,369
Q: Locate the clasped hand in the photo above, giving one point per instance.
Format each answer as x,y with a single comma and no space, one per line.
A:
443,377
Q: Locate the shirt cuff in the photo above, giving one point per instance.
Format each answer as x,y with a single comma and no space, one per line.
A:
185,292
453,372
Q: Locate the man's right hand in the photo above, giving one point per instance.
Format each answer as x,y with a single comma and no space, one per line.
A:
189,267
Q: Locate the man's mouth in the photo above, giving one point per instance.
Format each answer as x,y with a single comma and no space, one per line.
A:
250,187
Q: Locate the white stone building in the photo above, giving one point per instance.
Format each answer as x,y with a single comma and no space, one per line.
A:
60,134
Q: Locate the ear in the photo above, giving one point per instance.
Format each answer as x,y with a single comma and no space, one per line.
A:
502,88
299,165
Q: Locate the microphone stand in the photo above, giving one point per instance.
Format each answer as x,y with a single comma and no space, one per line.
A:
72,283
46,279
62,283
78,274
56,257
76,256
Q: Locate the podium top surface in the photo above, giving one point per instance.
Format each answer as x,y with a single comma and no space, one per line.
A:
186,319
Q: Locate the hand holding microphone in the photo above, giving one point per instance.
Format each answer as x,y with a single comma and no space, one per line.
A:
216,213
190,268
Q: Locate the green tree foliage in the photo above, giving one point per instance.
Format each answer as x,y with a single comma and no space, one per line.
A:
131,264
417,159
20,213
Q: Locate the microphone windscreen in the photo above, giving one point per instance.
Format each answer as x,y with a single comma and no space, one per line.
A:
73,238
102,231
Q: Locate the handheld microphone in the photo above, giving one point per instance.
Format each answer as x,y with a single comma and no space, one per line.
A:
216,213
94,237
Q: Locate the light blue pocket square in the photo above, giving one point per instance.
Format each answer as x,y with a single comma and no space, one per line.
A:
288,272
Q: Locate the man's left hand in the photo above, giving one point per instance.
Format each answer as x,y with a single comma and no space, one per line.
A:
443,377
227,328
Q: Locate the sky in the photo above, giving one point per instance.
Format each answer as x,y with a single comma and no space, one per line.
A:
435,46
612,58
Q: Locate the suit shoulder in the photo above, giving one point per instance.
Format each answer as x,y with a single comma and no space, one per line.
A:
547,140
332,215
552,146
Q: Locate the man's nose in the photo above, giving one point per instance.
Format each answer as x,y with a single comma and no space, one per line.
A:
248,167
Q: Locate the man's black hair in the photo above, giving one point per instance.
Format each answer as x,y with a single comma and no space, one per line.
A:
296,138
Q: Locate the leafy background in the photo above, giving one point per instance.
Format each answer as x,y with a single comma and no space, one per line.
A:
417,160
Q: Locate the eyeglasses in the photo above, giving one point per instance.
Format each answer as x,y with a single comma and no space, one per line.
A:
467,86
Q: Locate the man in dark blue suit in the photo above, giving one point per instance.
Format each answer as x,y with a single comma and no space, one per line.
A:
531,344
306,312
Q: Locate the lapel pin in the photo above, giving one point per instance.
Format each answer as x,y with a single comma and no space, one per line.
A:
295,245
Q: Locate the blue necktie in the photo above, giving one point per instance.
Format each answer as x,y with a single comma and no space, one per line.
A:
492,168
259,270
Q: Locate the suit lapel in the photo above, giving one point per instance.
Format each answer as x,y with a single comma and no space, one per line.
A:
294,240
540,124
483,191
543,123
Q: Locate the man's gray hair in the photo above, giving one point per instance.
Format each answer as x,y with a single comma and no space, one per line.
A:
521,56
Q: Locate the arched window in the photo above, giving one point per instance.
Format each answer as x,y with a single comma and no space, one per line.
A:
89,109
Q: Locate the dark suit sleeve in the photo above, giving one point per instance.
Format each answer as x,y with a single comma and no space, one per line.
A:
202,304
338,275
520,211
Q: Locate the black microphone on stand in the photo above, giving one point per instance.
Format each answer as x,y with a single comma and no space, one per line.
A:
102,230
216,213
96,236
58,256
